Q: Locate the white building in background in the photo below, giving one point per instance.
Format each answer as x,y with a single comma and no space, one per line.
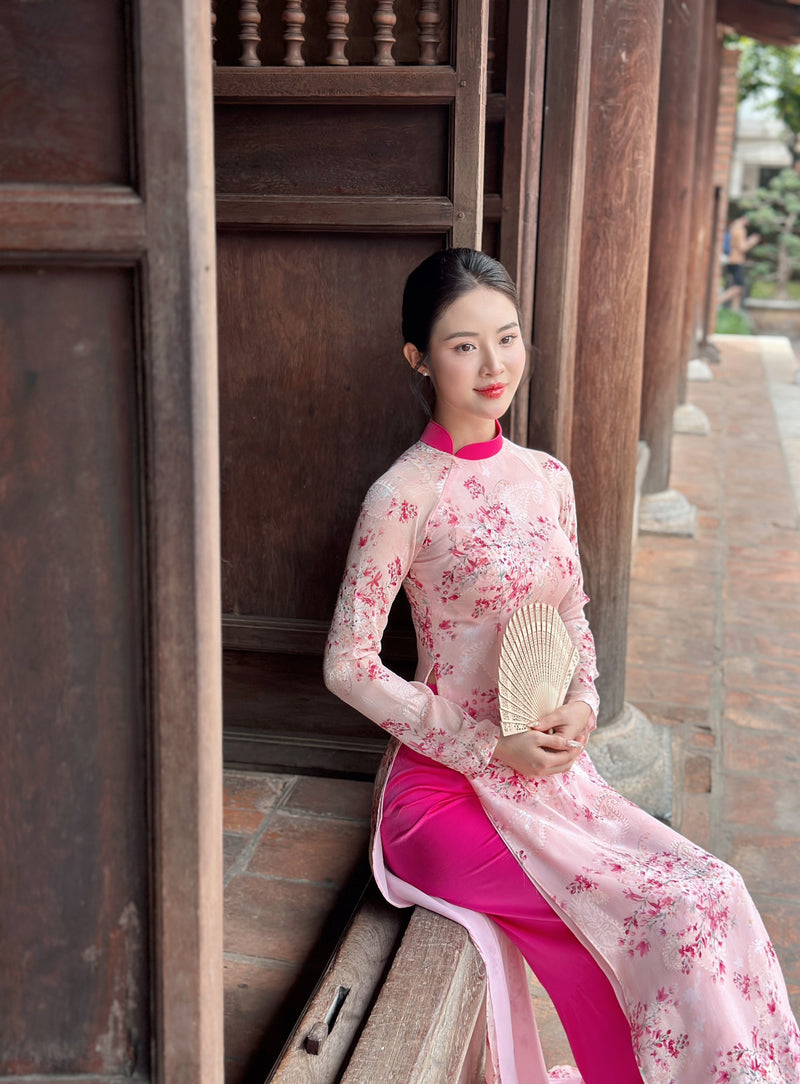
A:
759,150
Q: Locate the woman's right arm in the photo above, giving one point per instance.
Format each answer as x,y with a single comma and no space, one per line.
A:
387,537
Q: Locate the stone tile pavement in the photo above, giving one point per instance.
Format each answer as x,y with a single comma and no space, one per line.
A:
713,654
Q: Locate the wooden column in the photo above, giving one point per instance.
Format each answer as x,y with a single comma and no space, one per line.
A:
701,237
561,219
620,149
522,143
673,185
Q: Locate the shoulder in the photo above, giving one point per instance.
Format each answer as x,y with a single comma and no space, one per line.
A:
544,464
410,488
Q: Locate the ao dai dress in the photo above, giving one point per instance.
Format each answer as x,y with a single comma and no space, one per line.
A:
472,537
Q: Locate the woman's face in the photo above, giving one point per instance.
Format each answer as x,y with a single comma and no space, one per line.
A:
475,362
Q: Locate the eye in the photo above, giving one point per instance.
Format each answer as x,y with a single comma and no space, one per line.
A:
465,348
507,340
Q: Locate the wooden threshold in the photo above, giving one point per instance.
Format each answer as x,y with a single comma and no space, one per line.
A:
417,1007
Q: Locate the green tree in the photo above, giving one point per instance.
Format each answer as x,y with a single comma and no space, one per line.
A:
774,212
770,76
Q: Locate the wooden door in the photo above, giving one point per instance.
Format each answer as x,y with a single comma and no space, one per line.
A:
110,773
333,181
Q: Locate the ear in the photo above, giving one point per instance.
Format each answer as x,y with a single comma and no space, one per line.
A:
412,356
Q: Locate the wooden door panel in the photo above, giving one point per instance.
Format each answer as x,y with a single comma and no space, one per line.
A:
110,768
315,403
287,149
72,593
56,126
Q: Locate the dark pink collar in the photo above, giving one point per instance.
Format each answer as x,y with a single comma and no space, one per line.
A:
436,436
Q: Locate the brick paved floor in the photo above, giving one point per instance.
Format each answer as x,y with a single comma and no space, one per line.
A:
713,653
295,862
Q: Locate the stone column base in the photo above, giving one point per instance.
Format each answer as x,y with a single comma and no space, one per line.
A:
635,757
699,370
667,512
690,419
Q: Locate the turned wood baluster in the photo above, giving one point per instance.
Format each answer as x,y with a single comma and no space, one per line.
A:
428,20
249,36
338,19
293,19
384,19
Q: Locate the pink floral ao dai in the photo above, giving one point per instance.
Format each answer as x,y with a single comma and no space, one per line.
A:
471,538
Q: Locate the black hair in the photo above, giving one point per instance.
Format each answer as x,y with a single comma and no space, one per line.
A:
439,281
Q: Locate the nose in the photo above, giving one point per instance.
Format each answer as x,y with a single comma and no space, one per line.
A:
492,361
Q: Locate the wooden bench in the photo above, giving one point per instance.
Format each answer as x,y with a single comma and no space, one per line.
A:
403,1001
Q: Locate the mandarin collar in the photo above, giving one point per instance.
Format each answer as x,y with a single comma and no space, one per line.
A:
436,436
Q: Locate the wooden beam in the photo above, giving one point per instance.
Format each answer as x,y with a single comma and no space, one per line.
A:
773,23
72,218
401,85
401,214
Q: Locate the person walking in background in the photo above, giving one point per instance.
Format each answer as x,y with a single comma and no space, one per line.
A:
738,243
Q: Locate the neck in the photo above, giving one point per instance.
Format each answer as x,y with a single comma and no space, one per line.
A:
472,431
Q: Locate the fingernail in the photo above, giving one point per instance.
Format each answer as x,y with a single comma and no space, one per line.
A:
574,744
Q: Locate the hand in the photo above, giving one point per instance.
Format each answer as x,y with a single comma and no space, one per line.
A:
537,753
571,721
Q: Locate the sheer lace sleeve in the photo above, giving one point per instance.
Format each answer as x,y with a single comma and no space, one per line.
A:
388,535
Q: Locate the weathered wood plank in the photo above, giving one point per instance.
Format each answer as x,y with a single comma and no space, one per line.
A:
402,214
345,993
422,1028
425,85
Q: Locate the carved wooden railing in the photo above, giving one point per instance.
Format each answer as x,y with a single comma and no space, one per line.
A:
337,18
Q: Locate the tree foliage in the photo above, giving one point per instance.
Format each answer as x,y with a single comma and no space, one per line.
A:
774,212
769,75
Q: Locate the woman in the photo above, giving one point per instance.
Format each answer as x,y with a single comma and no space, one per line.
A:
651,950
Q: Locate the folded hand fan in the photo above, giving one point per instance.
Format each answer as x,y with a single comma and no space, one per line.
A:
537,661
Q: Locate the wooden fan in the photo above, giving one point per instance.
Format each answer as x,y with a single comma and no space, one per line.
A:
537,661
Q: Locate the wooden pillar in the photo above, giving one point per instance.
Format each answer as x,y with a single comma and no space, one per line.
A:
623,106
701,236
728,93
563,168
673,186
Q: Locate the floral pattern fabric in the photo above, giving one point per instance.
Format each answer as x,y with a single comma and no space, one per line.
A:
471,540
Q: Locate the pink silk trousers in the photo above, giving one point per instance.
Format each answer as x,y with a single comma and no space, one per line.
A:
436,836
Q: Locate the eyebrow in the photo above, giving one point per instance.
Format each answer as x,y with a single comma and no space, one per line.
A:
474,334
